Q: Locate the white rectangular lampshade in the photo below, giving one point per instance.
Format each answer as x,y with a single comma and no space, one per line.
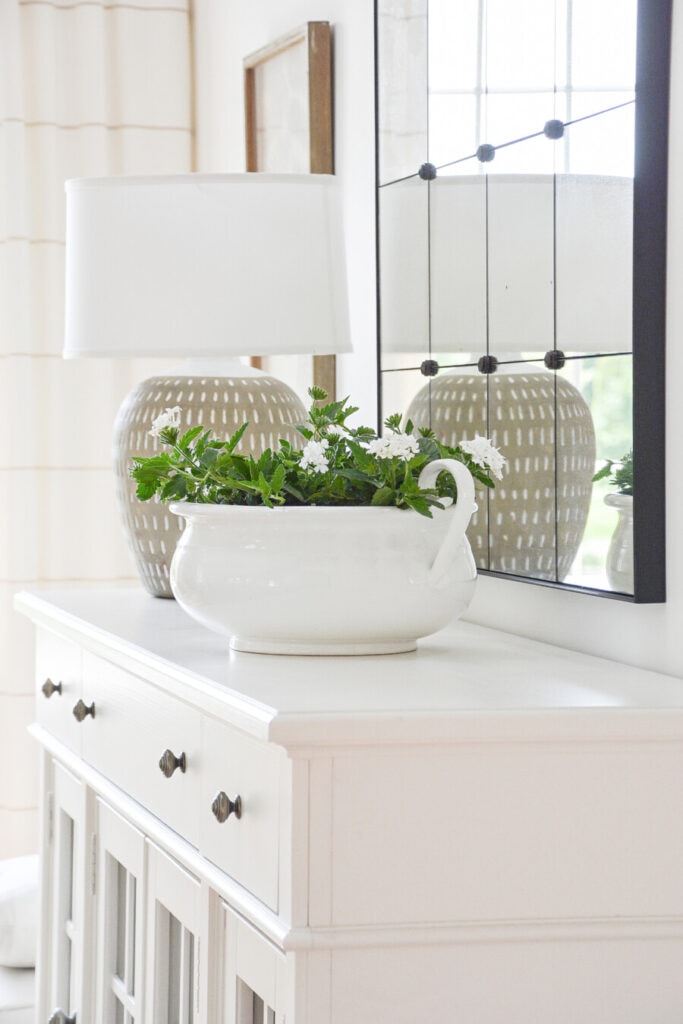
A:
205,265
458,266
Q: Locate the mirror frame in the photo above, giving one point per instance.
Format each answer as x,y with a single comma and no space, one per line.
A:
653,61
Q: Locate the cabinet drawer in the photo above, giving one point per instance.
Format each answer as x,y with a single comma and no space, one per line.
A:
246,848
58,687
134,724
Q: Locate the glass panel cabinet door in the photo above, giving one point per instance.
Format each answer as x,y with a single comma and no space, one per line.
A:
173,924
253,970
120,874
66,993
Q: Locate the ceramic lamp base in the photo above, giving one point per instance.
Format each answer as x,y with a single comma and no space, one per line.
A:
532,523
221,403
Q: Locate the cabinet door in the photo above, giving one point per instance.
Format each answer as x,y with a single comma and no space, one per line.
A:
173,925
119,944
68,987
254,973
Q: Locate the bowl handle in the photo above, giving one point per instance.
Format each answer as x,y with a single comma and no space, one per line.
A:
464,509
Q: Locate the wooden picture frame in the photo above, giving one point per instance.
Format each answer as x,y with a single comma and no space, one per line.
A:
288,120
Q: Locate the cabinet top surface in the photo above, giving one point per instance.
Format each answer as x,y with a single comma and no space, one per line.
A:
467,679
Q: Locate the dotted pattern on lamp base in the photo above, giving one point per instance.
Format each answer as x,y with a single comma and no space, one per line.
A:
219,403
519,528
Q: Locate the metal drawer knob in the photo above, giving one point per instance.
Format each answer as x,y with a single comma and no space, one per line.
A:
59,1017
222,807
49,688
82,710
168,763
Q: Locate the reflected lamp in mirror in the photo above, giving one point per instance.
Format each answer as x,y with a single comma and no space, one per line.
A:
489,265
206,269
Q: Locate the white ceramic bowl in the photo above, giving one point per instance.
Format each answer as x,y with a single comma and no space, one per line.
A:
325,580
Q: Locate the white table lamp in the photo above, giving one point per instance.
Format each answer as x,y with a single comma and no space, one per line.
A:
204,268
453,259
518,266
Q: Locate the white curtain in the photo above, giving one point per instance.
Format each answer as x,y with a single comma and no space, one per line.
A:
86,88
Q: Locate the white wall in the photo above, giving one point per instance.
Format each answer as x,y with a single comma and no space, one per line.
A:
650,636
229,30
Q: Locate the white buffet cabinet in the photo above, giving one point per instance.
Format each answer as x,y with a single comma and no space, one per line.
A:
486,831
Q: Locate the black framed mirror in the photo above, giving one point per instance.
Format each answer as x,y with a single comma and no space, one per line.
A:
521,181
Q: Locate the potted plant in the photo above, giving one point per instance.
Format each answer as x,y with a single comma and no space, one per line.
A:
352,544
619,563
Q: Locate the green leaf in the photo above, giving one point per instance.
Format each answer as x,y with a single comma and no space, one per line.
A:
429,447
332,411
298,495
208,457
227,462
416,463
337,488
145,491
393,422
278,479
235,439
152,469
363,460
176,487
420,505
265,489
604,472
188,437
384,496
356,475
409,484
243,486
265,461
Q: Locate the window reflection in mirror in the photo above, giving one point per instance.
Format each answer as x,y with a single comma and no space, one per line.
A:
516,242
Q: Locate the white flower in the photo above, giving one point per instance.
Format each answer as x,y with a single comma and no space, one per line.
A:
394,446
313,456
336,429
169,418
484,454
